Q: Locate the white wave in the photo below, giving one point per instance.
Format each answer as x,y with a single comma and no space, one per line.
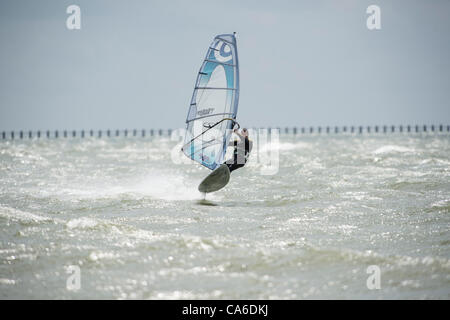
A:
102,255
156,185
166,187
441,204
392,149
281,146
81,223
184,295
7,281
21,216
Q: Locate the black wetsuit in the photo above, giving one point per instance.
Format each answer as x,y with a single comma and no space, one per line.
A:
239,160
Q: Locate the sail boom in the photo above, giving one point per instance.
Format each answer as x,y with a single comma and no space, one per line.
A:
209,116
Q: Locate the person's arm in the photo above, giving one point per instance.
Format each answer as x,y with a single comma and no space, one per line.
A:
239,135
231,142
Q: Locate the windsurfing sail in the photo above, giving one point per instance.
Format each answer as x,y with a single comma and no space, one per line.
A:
214,104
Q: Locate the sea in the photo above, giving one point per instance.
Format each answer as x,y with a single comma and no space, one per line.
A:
344,216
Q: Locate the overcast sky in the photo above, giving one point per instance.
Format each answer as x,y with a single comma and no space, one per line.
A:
133,64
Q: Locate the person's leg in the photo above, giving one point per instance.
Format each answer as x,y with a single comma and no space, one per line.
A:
229,163
234,166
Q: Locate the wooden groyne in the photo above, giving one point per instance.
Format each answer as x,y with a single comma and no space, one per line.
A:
318,130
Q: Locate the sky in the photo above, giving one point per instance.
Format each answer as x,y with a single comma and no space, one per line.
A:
133,64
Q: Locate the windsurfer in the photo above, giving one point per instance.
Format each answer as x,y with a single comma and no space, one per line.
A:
241,152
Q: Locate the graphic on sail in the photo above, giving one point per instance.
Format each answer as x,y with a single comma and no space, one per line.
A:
214,104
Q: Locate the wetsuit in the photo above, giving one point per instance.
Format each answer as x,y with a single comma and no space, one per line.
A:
241,153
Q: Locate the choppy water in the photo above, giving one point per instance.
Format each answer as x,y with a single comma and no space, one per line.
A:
134,223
